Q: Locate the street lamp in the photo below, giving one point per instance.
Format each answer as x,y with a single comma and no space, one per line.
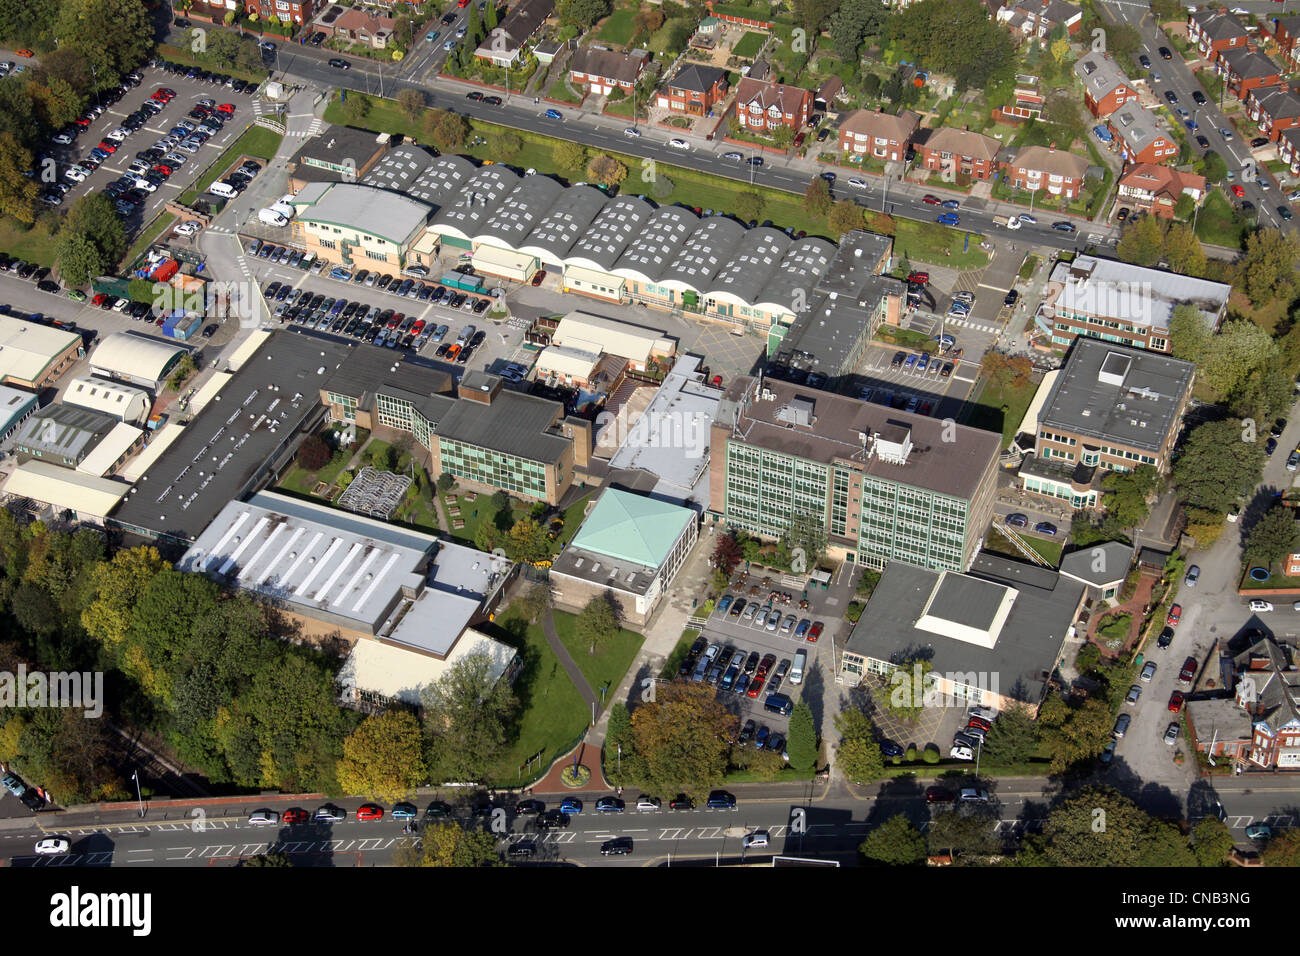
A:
135,775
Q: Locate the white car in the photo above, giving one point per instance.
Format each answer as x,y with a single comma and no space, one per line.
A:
648,804
188,228
679,144
631,131
858,183
75,174
52,846
116,135
261,818
1261,606
756,839
961,753
146,186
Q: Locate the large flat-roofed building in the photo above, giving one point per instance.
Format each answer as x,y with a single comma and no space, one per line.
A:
61,434
240,439
886,485
350,390
630,547
335,571
992,636
34,356
140,360
16,406
124,402
1112,408
358,226
1123,303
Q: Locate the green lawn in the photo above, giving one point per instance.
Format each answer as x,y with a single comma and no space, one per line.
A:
618,27
304,482
34,243
1218,223
1000,411
553,714
474,513
749,45
257,141
559,90
674,662
938,245
608,664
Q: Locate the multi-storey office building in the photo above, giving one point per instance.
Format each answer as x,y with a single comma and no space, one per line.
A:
886,485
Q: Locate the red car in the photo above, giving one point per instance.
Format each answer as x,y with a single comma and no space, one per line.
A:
815,632
764,666
164,169
24,52
1176,701
981,723
921,277
296,815
107,147
369,811
99,299
755,687
1175,614
539,277
1189,669
930,200
939,795
82,121
227,108
1238,191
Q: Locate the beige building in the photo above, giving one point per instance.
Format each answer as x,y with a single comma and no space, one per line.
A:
33,355
356,226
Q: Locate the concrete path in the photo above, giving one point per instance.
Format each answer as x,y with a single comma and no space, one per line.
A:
566,659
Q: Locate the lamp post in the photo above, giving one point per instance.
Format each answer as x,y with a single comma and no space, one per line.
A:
135,775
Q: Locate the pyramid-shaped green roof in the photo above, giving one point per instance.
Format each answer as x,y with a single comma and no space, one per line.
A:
632,528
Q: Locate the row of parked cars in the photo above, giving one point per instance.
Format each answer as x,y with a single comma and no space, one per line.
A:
769,618
206,76
979,721
731,669
412,288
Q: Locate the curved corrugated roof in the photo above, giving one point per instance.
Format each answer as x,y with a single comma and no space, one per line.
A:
569,219
611,231
136,356
647,256
707,250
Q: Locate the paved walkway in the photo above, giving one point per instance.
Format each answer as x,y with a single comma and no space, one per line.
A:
1134,606
566,659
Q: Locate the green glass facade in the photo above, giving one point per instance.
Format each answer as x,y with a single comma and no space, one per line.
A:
494,468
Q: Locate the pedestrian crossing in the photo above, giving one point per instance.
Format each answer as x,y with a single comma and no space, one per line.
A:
975,326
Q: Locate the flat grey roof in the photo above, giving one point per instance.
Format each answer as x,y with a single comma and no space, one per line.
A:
622,220
1027,645
229,443
650,252
368,370
1112,392
951,467
824,338
854,263
1141,296
341,143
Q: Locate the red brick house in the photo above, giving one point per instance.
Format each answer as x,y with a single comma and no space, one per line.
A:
1286,32
601,71
763,106
296,11
1042,168
1038,18
960,151
695,89
878,135
1288,149
1215,32
1157,189
1140,138
1105,87
1275,109
1246,70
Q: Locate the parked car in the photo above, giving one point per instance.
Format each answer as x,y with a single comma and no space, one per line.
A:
1148,672
1193,575
1188,670
1121,725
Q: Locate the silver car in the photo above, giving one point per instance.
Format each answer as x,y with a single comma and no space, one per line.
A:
773,620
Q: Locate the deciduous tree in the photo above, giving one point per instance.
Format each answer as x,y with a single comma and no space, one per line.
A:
470,713
598,622
682,737
896,842
383,759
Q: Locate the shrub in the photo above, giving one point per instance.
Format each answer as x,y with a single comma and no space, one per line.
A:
910,754
313,453
930,754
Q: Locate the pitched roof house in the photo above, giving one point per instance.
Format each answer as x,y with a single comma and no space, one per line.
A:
1214,31
959,151
1157,189
1105,87
603,70
1041,167
505,43
1140,137
694,89
877,134
1275,108
1245,70
762,106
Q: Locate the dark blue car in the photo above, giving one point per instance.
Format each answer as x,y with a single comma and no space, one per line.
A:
571,805
553,114
947,219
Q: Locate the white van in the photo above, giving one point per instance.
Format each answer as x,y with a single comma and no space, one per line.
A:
796,670
224,190
272,218
283,208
